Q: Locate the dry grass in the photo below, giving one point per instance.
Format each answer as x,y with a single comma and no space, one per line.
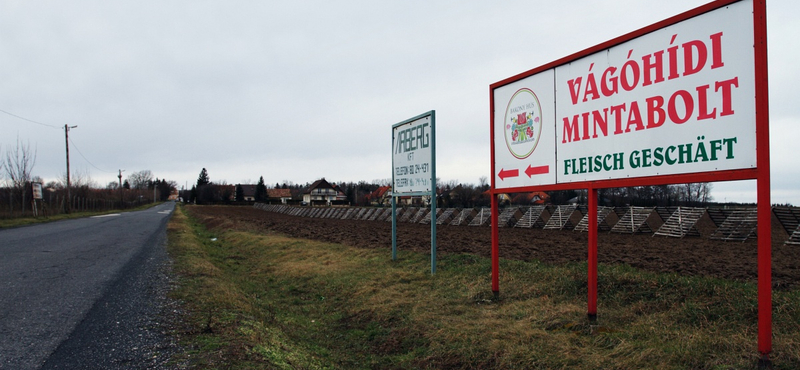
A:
267,301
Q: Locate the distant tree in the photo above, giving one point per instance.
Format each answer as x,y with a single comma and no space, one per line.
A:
208,194
193,194
562,196
261,190
126,185
165,188
141,179
204,190
663,195
351,195
78,179
484,183
697,193
203,178
443,199
239,193
224,193
18,166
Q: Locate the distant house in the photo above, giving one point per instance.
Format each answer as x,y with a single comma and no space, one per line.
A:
321,191
173,195
381,197
248,192
407,200
340,195
536,198
503,199
282,195
458,196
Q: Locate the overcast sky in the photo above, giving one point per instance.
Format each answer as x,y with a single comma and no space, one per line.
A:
299,90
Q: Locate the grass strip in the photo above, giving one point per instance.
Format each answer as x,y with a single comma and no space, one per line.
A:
259,300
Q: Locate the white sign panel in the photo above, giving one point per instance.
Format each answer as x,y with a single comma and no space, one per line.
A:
37,190
524,120
677,100
413,155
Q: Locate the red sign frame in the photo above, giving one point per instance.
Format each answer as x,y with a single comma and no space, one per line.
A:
761,173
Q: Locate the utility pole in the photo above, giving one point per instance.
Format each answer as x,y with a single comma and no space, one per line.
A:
121,190
66,140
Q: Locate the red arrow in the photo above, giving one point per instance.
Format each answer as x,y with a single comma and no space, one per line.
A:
530,171
504,174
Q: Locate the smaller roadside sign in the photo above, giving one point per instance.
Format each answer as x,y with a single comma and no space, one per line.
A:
413,150
37,190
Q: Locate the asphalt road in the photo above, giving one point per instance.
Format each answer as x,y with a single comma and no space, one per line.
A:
85,293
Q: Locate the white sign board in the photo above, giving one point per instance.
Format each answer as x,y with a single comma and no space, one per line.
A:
37,190
676,100
413,160
524,124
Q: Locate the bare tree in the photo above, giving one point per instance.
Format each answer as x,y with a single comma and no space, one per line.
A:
483,182
449,185
54,185
18,166
141,179
698,192
78,179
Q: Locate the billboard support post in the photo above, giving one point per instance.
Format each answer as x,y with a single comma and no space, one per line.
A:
592,258
414,169
763,182
495,247
433,193
394,228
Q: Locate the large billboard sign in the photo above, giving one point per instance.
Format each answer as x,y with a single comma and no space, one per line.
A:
682,100
675,100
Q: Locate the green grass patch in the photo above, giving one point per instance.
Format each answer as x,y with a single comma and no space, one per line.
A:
267,301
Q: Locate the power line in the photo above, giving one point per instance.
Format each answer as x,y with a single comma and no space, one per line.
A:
87,161
70,140
25,119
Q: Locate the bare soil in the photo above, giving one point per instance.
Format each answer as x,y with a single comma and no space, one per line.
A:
687,256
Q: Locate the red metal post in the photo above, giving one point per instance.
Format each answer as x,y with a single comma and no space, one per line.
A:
495,248
592,261
494,212
763,182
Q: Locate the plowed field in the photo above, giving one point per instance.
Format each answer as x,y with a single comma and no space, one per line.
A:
687,256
